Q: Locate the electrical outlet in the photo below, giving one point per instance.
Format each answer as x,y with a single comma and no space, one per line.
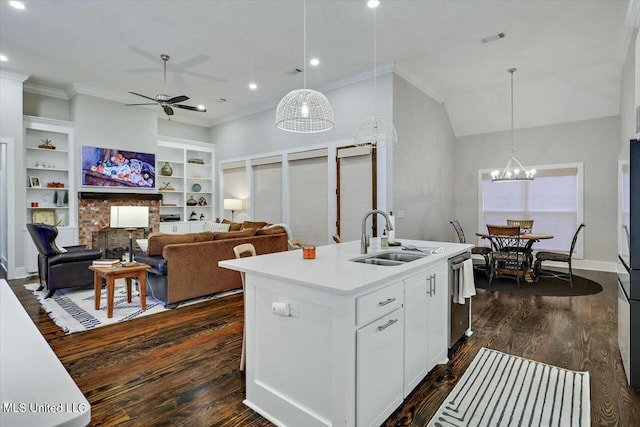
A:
400,214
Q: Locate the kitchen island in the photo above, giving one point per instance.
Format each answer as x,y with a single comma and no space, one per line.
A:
333,342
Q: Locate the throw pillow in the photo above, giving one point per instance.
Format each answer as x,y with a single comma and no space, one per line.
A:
234,234
233,226
252,224
270,230
216,226
157,242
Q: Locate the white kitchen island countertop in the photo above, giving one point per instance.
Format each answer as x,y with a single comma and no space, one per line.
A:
332,269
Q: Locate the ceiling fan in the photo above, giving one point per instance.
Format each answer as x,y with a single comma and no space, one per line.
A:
167,101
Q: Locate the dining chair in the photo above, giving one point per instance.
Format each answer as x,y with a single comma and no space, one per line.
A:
508,254
526,225
246,249
336,238
294,244
476,250
542,256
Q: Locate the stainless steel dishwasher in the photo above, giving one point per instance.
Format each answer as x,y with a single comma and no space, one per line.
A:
460,314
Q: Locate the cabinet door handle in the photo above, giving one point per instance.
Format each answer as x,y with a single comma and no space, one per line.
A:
386,325
430,286
388,301
433,283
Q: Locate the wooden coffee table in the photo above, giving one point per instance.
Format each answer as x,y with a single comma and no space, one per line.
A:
111,274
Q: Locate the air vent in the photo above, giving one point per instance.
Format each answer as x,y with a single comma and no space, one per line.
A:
295,71
221,100
493,38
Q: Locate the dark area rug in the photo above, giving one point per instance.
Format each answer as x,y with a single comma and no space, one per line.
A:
545,286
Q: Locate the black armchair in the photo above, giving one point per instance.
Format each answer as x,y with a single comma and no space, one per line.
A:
61,268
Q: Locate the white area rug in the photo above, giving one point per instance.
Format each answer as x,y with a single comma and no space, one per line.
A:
500,389
73,309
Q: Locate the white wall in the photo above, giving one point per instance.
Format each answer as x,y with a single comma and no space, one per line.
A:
257,133
594,143
108,124
423,165
183,130
3,202
46,106
12,132
627,97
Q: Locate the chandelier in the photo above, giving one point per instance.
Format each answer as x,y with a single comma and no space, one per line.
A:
304,110
514,171
374,131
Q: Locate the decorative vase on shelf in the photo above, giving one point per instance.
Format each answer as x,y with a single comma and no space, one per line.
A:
192,202
166,170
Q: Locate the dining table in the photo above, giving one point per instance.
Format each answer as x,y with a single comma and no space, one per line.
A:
530,238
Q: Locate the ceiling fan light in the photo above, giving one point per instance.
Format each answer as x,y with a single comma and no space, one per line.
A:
304,111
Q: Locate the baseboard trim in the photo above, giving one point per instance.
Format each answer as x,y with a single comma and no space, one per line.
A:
584,264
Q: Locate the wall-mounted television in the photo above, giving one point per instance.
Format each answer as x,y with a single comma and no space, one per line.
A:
108,167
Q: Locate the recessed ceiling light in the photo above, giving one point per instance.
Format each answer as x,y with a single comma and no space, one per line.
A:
17,4
201,107
253,86
4,58
314,61
373,4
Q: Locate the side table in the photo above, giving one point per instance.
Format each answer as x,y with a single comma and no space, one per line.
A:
111,274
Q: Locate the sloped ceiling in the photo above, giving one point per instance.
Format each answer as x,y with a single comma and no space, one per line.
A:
569,53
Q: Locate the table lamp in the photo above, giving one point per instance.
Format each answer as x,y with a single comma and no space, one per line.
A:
130,218
232,205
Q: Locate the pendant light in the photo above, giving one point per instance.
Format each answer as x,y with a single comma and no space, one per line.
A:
514,171
375,131
304,110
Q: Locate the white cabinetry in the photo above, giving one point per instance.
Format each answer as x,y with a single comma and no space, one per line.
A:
50,187
181,227
379,369
425,313
184,172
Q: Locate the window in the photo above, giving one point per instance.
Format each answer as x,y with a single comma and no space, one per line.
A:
553,200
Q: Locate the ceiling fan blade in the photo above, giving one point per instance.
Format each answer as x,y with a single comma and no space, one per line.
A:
190,108
168,110
146,103
179,98
144,96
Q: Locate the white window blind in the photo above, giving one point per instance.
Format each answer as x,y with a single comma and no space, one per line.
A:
267,197
234,186
552,200
308,204
355,192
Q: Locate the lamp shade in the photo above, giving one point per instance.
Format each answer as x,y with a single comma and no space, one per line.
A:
129,216
232,204
304,111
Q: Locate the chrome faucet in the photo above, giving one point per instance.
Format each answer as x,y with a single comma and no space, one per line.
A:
364,239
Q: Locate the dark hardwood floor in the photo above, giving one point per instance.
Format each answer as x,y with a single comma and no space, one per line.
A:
181,367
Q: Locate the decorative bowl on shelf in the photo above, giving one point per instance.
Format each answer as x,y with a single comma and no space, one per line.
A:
196,188
196,161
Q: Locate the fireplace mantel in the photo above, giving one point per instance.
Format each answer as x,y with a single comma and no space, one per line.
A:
84,195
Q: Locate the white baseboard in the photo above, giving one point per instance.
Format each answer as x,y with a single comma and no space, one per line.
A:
584,264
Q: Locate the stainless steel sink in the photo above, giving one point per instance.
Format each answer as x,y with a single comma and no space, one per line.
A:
389,258
402,257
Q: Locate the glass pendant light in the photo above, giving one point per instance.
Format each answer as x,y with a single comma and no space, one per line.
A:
304,110
375,131
514,171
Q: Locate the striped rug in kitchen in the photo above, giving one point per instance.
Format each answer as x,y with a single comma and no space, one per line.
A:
500,389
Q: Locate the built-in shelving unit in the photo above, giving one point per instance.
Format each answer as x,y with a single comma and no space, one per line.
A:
49,187
188,189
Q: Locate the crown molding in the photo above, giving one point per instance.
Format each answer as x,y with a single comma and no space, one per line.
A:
382,69
46,91
430,92
631,23
80,89
185,120
10,75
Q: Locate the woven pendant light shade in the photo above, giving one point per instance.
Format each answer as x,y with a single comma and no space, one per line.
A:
376,132
304,111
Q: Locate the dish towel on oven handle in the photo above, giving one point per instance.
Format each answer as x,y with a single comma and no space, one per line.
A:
466,284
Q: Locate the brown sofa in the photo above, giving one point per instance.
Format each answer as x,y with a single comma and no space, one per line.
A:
185,266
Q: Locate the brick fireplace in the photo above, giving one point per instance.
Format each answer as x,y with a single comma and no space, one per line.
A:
93,219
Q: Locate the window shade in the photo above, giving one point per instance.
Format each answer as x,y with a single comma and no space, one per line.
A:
308,200
267,187
355,194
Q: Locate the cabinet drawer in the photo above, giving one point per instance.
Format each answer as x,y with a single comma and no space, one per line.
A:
376,304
